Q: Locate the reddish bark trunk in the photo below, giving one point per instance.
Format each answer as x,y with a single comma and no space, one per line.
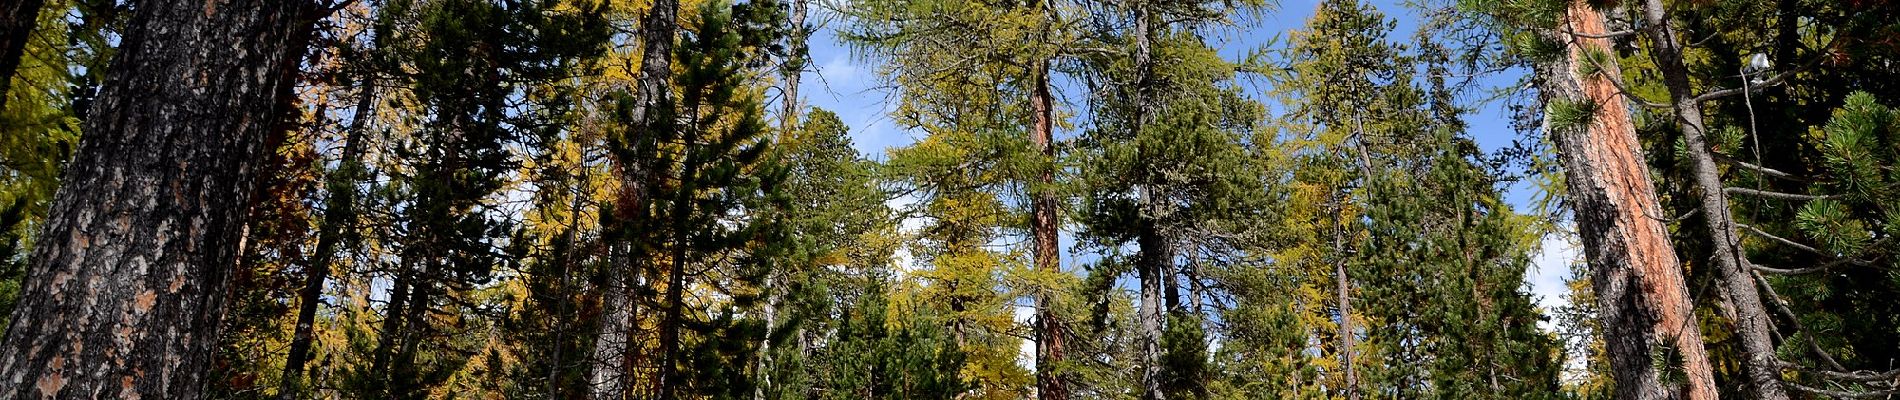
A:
1638,281
1050,385
1752,323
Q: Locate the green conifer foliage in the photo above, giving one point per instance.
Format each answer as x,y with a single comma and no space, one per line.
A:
715,152
468,64
841,237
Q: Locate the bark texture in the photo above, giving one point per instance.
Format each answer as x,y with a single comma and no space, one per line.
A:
614,348
1638,281
129,280
18,18
1753,326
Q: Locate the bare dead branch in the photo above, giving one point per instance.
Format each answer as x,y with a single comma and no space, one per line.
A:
1774,195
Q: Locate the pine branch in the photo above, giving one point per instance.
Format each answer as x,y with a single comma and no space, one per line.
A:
1774,195
1848,376
1608,35
1771,172
1782,306
1771,81
1794,271
1785,241
1844,394
1835,260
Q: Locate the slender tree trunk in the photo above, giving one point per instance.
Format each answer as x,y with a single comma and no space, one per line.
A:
18,18
1638,281
1344,291
1050,385
1156,253
339,213
791,70
386,343
404,374
569,261
674,318
794,67
129,280
1753,326
614,347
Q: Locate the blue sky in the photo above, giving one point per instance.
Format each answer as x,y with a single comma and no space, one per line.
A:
851,88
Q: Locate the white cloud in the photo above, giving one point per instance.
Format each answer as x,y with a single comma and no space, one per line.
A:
1549,267
1026,353
906,262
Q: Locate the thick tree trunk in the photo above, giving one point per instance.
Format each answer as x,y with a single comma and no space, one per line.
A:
130,277
614,346
1151,266
1753,326
18,18
1050,385
1638,281
339,213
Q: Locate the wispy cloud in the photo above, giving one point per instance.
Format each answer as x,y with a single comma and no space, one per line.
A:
842,75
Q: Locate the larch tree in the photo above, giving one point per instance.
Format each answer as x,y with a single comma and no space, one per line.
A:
1350,104
925,45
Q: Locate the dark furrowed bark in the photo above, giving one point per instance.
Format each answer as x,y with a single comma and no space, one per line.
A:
128,283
